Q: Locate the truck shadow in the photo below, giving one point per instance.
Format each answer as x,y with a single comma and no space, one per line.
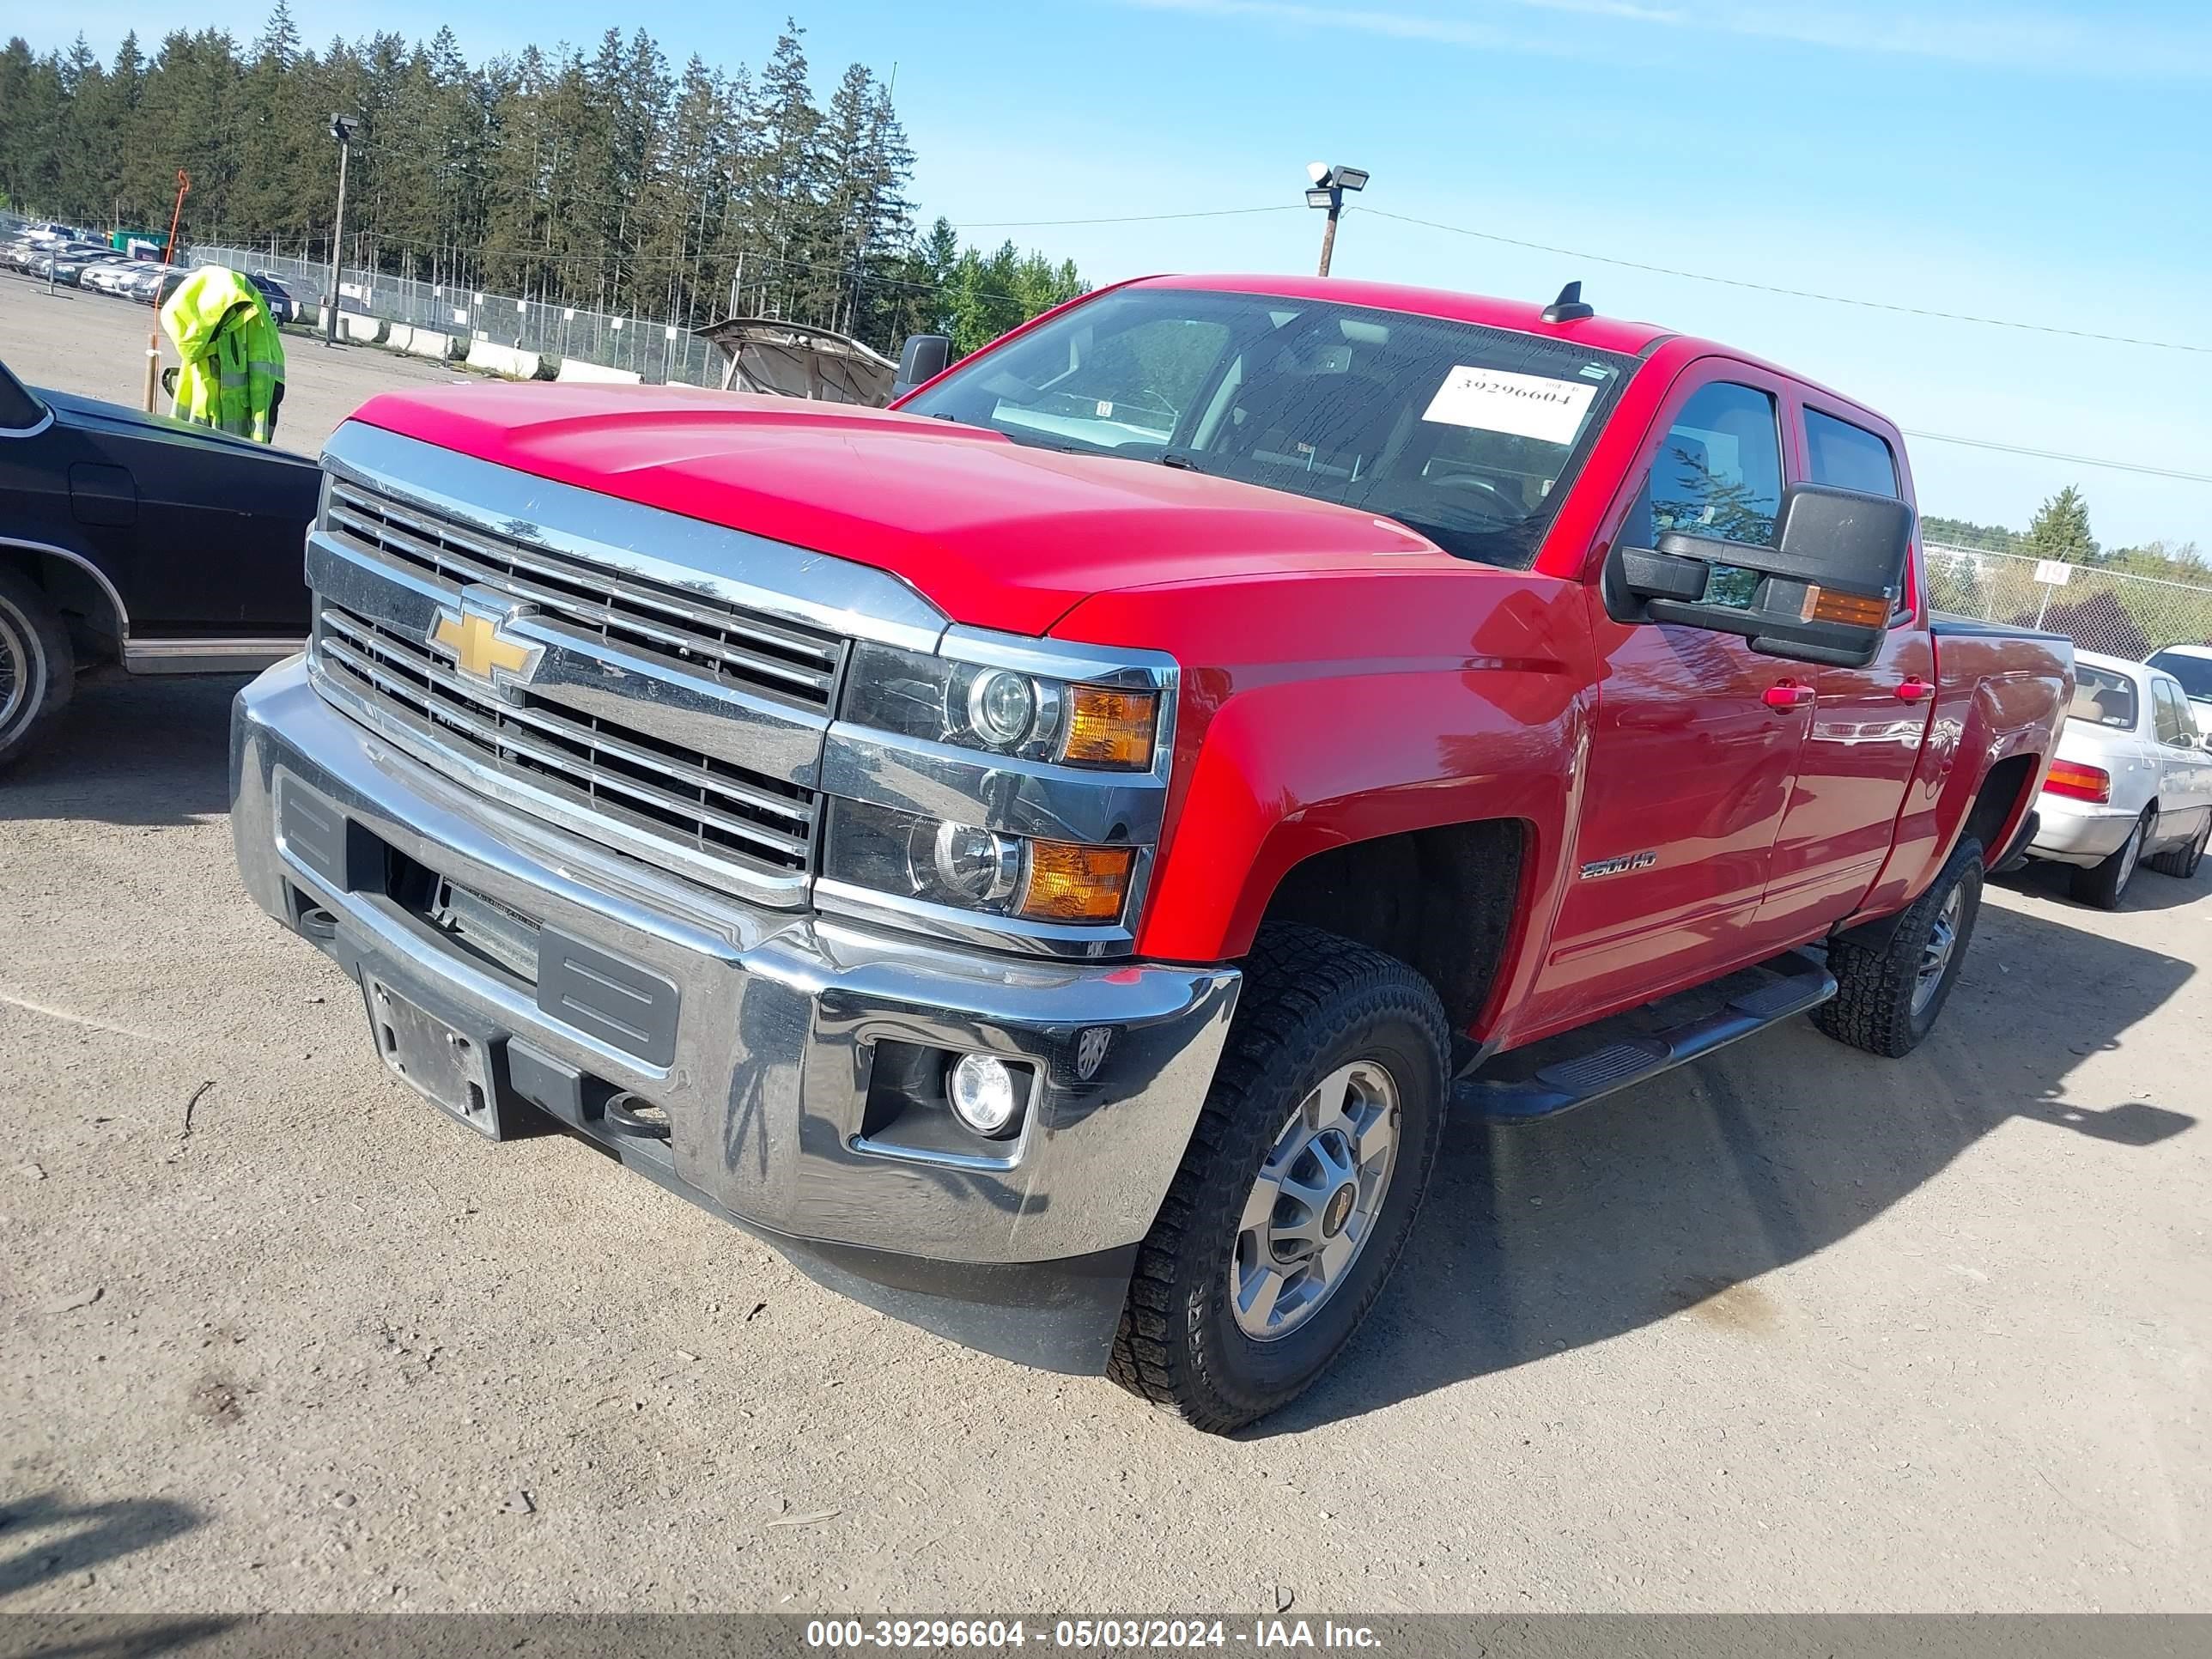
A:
45,1539
1678,1194
130,751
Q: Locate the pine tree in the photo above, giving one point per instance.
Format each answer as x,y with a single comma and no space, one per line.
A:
2060,530
279,41
600,179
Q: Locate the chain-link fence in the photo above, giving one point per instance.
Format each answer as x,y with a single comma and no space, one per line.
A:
656,352
2113,611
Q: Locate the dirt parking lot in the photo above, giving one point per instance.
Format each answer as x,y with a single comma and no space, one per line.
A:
1795,1329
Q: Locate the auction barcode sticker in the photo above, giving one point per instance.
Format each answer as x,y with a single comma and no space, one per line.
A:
1521,405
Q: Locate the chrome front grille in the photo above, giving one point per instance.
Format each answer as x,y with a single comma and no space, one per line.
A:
658,622
682,799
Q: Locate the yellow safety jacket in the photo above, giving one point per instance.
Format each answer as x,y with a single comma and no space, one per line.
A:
233,357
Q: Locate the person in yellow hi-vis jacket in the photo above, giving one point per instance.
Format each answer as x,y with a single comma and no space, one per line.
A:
232,377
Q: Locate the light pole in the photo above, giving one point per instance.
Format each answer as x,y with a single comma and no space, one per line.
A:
1329,185
342,129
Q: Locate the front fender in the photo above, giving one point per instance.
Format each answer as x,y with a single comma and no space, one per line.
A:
1468,700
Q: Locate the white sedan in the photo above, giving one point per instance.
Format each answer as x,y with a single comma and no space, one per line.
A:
2132,781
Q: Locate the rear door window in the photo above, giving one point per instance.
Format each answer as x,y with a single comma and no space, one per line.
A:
1847,456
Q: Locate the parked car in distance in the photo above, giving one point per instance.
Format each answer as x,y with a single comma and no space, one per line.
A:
110,277
2192,666
1053,871
2132,782
139,539
282,305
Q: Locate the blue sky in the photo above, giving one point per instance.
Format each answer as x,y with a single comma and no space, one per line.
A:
2050,163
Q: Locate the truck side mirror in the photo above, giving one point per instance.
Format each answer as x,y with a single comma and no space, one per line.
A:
1824,594
924,357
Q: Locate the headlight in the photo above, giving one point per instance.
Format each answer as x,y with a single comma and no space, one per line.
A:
1001,709
969,868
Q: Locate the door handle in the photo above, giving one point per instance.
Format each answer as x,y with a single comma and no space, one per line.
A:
1786,696
1915,690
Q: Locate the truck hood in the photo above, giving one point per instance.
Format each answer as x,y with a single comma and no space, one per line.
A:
995,534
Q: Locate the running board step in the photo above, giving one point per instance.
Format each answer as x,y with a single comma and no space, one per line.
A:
1600,1071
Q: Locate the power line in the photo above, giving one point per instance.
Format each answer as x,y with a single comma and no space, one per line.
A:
1792,293
1123,219
2061,455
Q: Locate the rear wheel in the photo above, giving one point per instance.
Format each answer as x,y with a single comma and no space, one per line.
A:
37,669
2102,884
1889,990
2182,861
1299,1186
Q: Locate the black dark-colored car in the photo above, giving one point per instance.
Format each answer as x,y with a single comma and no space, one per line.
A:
142,540
282,305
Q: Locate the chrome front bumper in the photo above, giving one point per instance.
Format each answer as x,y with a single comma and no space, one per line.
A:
777,1020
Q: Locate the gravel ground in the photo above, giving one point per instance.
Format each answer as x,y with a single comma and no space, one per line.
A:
1795,1329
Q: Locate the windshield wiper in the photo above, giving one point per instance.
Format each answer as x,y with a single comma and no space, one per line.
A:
1177,459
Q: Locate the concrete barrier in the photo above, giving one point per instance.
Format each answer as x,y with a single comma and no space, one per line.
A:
352,325
504,361
423,343
574,369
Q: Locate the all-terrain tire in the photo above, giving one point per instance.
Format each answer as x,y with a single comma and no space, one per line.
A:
1312,1002
1878,1005
2183,861
2103,885
38,670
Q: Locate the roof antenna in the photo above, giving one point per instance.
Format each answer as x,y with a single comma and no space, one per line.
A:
1569,307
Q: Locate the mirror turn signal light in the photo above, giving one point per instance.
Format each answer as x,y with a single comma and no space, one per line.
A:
2079,783
1858,609
1109,728
1071,883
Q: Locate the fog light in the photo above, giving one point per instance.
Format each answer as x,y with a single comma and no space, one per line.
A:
983,1094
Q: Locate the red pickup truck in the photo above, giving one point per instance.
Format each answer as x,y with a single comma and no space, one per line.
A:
1050,855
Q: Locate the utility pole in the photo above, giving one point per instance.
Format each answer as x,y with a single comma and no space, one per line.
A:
342,129
1328,190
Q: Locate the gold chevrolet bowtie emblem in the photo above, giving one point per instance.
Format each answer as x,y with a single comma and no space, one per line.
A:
471,637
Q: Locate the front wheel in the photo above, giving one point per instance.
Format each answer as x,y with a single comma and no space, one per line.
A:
1299,1186
38,670
1890,989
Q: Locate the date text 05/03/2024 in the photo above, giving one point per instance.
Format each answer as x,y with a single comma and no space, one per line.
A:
1082,1635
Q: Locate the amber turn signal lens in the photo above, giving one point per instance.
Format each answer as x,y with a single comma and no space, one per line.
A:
1068,883
2079,783
1859,609
1109,728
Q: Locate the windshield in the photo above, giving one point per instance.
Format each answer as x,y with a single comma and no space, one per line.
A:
2195,673
1468,434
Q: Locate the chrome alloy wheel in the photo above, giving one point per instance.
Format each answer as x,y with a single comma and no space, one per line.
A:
14,668
1318,1197
1936,955
2130,855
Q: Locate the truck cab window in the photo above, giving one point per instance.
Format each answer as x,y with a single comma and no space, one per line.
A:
1718,471
1848,457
